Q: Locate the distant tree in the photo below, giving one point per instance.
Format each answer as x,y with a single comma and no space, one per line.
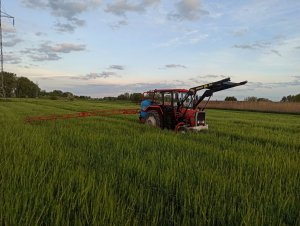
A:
135,97
230,99
284,99
109,98
84,97
56,93
121,97
43,93
10,83
127,96
124,96
291,98
26,88
251,99
263,100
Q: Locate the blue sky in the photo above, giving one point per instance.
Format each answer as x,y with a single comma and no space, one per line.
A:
101,48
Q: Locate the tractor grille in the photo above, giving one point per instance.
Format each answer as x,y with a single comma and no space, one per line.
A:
200,118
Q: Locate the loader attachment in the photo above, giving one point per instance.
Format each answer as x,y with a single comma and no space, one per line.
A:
216,87
211,88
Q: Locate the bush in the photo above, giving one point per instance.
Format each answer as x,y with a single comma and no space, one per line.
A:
230,99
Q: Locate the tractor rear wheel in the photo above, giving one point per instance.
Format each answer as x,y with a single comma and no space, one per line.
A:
153,119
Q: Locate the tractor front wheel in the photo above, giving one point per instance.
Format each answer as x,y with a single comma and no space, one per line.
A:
153,119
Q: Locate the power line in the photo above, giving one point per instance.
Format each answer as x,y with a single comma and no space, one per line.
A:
3,14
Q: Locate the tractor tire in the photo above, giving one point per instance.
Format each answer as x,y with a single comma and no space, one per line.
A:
153,119
182,130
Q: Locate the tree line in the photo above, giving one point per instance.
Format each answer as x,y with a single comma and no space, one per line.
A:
22,87
290,98
134,97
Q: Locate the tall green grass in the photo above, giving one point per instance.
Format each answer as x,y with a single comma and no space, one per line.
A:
114,171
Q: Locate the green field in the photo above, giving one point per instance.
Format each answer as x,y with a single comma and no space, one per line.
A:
114,171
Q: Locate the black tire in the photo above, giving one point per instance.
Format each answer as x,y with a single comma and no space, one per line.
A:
182,130
153,119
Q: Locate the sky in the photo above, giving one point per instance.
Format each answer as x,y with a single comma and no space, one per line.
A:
107,47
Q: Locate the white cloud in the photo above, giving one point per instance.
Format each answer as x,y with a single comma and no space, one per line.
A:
188,38
122,7
48,52
67,9
188,10
175,66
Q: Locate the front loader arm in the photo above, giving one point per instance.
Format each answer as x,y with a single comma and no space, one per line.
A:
216,87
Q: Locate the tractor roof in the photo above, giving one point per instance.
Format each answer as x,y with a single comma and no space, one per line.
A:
167,90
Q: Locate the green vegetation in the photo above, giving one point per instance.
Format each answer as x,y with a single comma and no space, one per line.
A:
255,99
291,98
18,86
230,98
115,171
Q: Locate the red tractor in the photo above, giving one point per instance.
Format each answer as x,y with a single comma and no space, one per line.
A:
179,109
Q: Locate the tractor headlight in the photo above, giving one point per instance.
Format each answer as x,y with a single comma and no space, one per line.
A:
201,122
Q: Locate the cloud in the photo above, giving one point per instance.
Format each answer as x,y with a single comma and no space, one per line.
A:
12,59
8,28
245,46
208,76
35,3
45,57
255,45
66,9
175,66
64,47
259,45
119,24
91,76
240,31
12,42
271,85
188,38
40,34
65,27
48,52
276,52
203,79
116,67
122,7
188,10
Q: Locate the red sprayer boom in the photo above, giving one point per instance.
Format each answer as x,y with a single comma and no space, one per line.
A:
83,114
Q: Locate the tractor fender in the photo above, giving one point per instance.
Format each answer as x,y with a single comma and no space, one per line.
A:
154,108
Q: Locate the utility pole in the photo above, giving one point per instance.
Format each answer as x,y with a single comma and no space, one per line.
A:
3,14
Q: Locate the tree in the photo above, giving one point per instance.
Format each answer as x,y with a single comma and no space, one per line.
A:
121,97
135,97
9,82
263,100
26,88
291,98
284,99
56,93
251,99
127,96
230,99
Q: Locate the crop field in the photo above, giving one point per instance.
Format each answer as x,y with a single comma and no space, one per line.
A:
245,170
260,106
